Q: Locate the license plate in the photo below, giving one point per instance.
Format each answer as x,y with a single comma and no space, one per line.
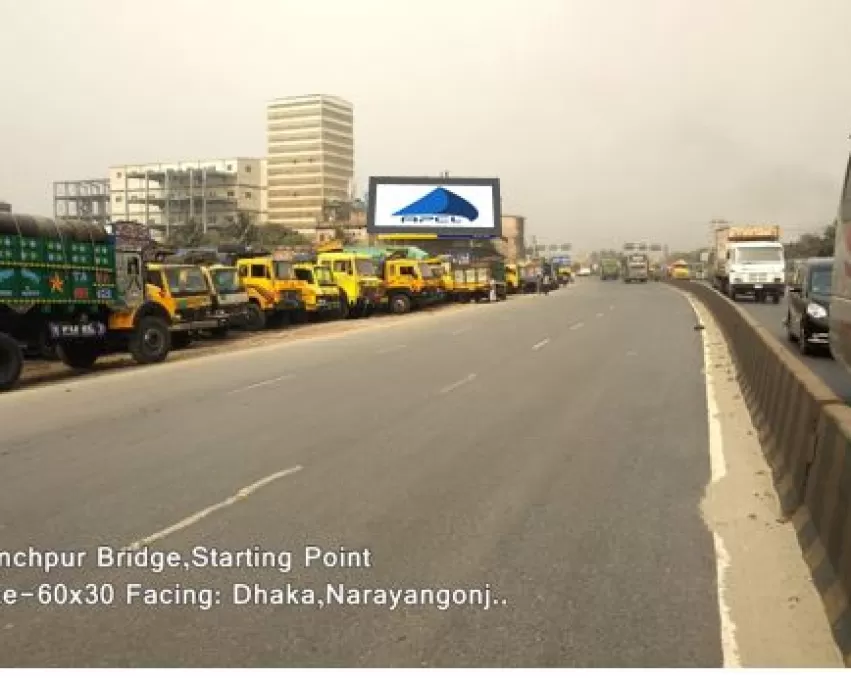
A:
757,287
82,330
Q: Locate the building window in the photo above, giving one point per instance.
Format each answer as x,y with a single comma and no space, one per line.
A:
118,175
229,168
248,194
211,220
248,168
231,194
118,198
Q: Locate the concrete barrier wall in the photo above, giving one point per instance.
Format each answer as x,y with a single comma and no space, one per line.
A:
805,430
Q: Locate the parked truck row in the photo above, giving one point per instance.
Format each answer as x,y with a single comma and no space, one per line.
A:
78,292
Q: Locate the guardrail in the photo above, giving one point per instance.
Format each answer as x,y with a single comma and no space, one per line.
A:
805,430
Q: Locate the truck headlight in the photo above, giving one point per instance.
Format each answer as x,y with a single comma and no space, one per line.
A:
816,311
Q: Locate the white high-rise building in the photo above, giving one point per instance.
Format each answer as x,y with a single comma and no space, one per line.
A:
310,158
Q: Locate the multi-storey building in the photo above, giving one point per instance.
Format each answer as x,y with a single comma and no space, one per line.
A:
310,157
211,193
82,199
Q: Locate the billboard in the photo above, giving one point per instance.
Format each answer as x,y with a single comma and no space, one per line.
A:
444,206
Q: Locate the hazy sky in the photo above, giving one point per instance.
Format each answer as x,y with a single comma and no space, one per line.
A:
606,120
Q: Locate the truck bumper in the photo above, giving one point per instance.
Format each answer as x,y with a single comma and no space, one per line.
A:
198,325
769,289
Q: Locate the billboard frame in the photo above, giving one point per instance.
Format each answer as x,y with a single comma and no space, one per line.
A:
452,232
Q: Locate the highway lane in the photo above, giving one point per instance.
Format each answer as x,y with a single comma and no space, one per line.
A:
771,317
554,448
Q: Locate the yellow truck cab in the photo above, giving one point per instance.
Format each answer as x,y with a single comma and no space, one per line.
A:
356,275
409,283
183,291
512,279
319,291
274,291
230,298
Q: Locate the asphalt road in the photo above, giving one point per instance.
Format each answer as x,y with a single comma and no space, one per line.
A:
553,448
771,317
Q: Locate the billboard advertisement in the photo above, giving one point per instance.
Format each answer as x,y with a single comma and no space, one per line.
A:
452,207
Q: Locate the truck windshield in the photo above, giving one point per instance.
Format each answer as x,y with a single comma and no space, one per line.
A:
758,255
820,281
304,274
186,281
284,270
425,271
323,275
365,267
226,281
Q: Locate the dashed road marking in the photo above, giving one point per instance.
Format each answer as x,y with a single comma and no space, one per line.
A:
455,333
267,382
203,513
577,326
541,344
599,315
457,384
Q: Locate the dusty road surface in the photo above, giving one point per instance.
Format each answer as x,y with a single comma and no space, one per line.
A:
532,483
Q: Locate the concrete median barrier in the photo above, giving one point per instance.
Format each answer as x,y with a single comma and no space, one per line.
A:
805,430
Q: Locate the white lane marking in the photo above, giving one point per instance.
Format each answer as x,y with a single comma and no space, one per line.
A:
461,331
599,315
611,308
457,384
718,469
541,344
200,515
390,349
267,382
577,326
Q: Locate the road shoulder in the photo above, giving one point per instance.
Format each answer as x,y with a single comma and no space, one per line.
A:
772,608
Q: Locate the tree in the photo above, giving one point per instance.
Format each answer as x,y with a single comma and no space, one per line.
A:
812,245
189,234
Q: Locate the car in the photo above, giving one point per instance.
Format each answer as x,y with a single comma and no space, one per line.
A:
584,271
809,296
680,271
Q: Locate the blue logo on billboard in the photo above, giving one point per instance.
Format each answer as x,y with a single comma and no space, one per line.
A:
440,206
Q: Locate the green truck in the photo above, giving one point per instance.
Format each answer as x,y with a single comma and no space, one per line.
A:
78,287
609,269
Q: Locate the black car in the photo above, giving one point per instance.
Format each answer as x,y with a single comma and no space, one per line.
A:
809,305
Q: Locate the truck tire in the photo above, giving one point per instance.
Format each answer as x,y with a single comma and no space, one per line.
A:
344,306
220,332
150,341
400,303
11,362
79,355
256,320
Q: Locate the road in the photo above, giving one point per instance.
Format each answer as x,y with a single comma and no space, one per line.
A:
771,317
552,448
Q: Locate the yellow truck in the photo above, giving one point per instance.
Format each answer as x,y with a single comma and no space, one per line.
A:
183,291
512,279
320,292
408,283
356,276
274,290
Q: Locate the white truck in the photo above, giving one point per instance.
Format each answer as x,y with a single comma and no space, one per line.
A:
749,260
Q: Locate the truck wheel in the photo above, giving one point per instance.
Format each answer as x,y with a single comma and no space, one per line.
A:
343,314
181,340
400,303
220,332
256,320
79,355
11,362
150,341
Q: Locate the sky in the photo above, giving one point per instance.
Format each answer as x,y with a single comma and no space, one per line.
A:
606,121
